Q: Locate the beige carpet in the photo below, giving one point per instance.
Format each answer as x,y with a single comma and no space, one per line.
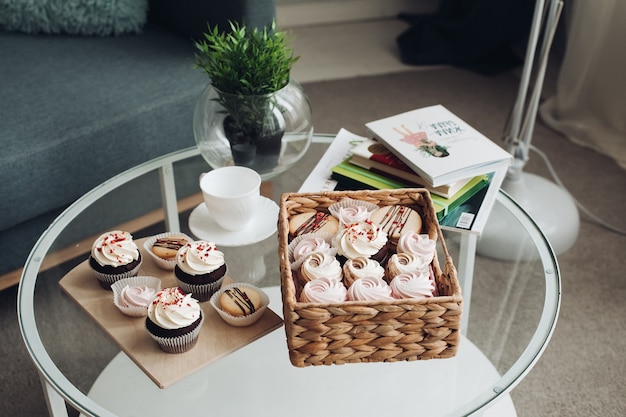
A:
582,372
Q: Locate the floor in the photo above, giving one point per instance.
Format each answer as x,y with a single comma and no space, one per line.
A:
362,48
347,50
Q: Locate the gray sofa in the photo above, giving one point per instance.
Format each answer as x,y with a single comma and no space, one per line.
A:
77,109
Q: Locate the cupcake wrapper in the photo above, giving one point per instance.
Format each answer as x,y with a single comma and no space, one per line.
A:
328,237
201,292
179,344
106,280
349,276
245,320
118,286
165,264
395,267
348,202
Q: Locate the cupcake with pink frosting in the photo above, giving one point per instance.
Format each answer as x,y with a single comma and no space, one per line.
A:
318,265
133,295
349,211
307,244
369,289
400,263
323,290
361,267
419,244
411,285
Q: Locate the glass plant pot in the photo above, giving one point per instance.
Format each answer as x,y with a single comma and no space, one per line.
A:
268,133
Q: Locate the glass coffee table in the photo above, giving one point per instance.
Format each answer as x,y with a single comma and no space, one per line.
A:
514,308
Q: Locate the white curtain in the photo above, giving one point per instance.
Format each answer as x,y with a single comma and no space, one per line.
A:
589,106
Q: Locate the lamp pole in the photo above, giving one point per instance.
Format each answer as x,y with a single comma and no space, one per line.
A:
552,208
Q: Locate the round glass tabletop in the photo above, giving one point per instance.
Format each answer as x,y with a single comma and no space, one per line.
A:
514,308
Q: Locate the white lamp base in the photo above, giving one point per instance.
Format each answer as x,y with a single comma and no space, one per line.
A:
552,208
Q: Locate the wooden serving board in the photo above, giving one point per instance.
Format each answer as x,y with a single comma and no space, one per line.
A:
217,339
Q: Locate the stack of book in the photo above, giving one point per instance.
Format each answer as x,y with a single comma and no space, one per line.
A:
429,148
363,169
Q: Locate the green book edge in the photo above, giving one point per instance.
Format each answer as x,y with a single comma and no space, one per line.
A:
355,177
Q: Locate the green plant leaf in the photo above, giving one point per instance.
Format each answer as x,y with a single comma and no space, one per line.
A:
245,62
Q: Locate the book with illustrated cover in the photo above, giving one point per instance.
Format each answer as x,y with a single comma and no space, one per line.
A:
374,156
353,177
438,145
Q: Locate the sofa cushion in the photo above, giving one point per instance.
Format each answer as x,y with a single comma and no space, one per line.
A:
78,110
85,17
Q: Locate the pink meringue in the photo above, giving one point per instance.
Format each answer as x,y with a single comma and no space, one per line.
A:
418,244
369,289
410,285
323,290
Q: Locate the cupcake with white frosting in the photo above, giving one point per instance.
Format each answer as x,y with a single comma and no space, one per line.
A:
200,269
114,256
362,239
174,320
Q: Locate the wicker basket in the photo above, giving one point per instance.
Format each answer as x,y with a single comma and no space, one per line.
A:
380,331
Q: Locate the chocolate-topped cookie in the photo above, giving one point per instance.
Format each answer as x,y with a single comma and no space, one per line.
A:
240,301
312,222
396,220
167,247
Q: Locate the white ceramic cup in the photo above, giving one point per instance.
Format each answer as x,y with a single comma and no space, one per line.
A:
231,194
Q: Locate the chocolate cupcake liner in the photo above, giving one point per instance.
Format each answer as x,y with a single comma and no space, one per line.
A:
201,292
118,286
243,321
106,280
165,264
182,343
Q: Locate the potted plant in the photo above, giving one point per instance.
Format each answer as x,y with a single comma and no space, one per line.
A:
247,67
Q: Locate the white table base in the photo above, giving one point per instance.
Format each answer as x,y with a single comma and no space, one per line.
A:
259,380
